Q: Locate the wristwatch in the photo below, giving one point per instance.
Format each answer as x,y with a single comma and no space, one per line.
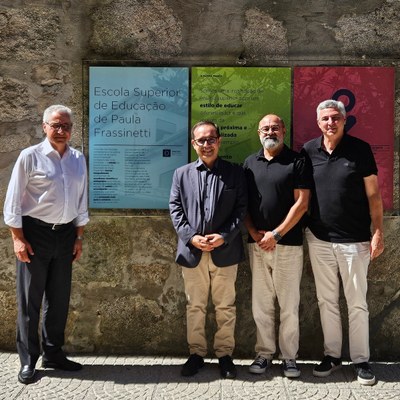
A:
276,235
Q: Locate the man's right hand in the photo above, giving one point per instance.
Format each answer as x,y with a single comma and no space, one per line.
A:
202,243
22,248
268,242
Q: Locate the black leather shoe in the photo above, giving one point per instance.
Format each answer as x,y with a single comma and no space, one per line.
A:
61,363
192,365
227,367
27,374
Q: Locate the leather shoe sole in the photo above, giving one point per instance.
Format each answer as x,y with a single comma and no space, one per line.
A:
228,374
65,365
26,375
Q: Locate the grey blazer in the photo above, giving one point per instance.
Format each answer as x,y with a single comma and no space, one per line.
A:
230,210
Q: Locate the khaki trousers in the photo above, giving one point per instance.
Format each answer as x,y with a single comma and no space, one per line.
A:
276,277
198,282
348,262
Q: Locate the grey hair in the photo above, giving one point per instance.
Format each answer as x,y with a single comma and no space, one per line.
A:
56,108
337,105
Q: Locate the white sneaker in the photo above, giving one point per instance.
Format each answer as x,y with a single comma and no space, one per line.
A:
328,365
364,374
260,365
290,369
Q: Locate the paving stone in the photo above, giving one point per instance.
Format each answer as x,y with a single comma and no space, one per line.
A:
158,378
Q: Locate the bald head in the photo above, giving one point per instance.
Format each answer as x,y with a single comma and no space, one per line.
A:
271,117
271,130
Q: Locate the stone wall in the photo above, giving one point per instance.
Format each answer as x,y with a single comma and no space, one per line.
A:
127,291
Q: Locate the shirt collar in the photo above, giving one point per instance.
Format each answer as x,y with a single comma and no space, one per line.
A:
201,166
260,154
343,140
48,148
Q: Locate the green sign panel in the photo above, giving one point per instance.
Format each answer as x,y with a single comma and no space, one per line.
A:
236,99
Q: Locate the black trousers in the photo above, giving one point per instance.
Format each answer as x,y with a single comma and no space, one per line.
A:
44,285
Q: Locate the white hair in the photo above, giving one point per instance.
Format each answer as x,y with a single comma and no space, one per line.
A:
56,108
337,105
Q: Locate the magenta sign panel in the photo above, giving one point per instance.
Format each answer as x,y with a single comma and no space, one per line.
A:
368,95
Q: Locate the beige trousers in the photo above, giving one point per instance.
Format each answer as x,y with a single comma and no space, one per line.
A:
348,262
276,277
198,282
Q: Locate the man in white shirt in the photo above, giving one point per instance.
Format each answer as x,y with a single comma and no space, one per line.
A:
46,211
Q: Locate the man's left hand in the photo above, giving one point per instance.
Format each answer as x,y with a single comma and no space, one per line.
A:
77,252
215,240
377,245
268,242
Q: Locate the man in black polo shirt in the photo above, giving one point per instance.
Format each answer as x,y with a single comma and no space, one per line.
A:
344,202
279,183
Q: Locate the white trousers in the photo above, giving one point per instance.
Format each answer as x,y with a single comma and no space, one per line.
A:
276,276
348,262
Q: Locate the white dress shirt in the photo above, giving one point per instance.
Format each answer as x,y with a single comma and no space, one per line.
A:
46,186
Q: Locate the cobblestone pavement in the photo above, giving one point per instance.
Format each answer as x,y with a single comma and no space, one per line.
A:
158,378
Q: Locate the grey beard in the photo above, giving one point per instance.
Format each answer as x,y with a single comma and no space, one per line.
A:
270,143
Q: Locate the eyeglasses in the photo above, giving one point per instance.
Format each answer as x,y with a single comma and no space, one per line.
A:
56,127
210,140
265,129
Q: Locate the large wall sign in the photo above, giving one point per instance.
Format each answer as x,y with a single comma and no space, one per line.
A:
367,93
236,99
138,134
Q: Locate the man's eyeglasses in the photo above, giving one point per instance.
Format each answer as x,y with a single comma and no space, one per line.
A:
210,140
56,127
265,129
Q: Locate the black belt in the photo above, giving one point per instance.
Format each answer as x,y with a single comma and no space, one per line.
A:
54,227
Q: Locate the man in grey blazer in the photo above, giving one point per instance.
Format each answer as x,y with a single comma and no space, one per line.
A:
208,202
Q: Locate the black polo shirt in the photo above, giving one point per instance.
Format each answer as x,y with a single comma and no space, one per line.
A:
339,204
271,187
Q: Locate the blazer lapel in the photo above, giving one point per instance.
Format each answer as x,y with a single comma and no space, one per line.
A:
221,183
194,180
